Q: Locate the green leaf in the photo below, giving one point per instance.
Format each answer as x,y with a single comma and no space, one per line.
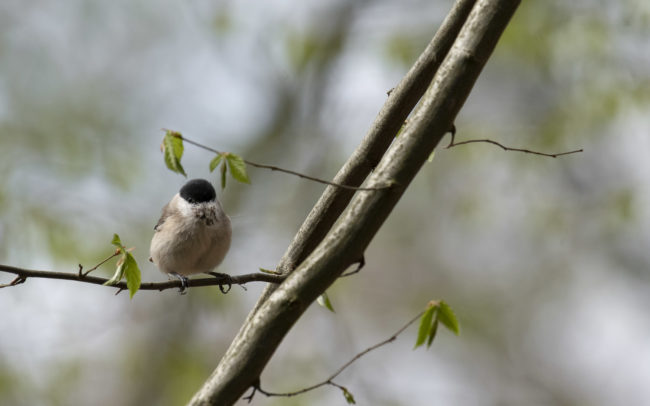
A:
172,147
224,169
127,267
324,300
132,273
116,241
425,324
348,396
119,271
215,162
432,332
448,318
430,159
237,168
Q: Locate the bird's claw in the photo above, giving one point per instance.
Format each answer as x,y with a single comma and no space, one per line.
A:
184,282
224,280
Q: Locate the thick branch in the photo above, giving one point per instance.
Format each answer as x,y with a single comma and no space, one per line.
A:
366,157
24,274
258,339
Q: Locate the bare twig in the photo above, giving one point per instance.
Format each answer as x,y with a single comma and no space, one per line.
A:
276,168
360,264
330,379
23,274
17,281
84,274
452,143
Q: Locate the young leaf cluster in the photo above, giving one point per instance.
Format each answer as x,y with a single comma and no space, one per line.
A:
172,148
437,311
126,267
232,162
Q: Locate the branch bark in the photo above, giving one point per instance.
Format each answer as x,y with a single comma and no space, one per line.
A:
366,157
258,339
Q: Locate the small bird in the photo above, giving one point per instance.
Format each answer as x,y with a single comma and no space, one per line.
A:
193,233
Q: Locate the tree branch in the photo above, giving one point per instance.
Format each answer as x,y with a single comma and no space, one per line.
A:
330,379
365,158
84,274
263,332
23,274
453,143
277,168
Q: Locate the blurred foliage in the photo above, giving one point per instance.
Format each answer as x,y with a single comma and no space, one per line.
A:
222,22
404,49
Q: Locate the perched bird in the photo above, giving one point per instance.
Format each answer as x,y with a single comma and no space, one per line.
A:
193,233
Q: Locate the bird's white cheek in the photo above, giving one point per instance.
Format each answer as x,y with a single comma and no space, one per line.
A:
184,208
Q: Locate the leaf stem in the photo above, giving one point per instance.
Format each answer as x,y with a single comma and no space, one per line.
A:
84,274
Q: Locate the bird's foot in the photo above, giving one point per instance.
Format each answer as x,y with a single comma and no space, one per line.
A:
184,282
224,280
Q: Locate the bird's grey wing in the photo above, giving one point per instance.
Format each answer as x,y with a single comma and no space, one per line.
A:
166,212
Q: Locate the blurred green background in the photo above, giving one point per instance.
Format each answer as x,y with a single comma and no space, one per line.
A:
544,260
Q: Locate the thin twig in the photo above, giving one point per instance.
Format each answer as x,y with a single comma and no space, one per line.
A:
17,281
360,264
84,274
452,143
276,168
24,274
330,379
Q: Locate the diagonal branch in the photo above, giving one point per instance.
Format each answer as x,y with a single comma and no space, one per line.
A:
401,100
263,332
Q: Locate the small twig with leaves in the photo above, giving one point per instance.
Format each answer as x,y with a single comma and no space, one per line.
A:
172,147
127,268
23,274
453,143
435,312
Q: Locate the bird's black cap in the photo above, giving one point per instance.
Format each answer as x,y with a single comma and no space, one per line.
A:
198,191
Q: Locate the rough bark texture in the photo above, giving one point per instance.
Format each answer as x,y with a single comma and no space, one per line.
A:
345,243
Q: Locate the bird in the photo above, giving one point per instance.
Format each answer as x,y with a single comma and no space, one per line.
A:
192,235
